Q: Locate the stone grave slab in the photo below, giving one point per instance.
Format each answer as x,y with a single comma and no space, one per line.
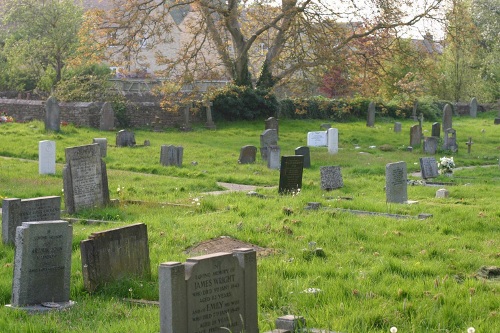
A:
291,171
317,139
47,157
396,182
304,151
331,177
247,154
428,167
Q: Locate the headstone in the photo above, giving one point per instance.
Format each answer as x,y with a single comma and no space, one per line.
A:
115,254
291,323
421,124
325,126
273,160
125,138
47,157
268,138
317,139
436,130
415,135
428,167
42,266
442,193
16,211
52,115
85,178
247,155
430,145
396,182
469,145
272,123
291,174
450,140
107,117
211,293
414,110
103,145
447,117
331,177
171,155
304,151
333,141
210,123
370,122
397,127
186,126
473,107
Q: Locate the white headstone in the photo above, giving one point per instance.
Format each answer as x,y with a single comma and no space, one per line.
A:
316,139
47,157
333,140
442,193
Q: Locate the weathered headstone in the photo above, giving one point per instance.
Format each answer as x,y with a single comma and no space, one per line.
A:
333,141
210,122
103,145
430,145
396,182
450,140
85,178
268,138
107,117
473,107
247,154
52,115
125,138
272,123
415,135
397,127
273,159
115,254
316,139
304,151
210,293
442,193
370,122
447,117
291,174
331,177
428,167
171,155
16,211
436,130
47,157
42,266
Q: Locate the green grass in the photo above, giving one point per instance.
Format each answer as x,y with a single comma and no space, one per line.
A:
417,275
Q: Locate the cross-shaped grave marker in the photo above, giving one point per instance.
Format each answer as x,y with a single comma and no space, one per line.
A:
469,144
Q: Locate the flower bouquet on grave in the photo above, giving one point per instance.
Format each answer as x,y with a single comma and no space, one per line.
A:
446,165
6,119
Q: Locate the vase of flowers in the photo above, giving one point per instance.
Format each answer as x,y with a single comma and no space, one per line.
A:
446,166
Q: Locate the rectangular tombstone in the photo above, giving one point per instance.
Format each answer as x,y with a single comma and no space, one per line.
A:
436,130
15,211
171,155
447,117
42,264
272,123
473,107
103,145
52,115
107,117
247,154
415,135
396,182
370,121
211,293
430,145
333,140
316,139
273,159
125,138
268,138
115,254
47,157
291,174
397,127
85,178
428,167
450,140
304,151
331,177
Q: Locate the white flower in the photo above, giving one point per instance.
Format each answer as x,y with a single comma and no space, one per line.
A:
394,329
471,330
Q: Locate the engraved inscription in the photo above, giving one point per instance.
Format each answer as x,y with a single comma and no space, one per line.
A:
397,176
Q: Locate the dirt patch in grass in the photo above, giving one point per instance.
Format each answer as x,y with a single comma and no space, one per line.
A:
225,244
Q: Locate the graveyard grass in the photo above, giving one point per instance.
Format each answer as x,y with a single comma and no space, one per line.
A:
378,272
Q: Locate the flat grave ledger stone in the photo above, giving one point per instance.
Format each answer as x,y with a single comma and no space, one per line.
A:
473,107
430,145
331,177
115,254
291,171
428,167
16,211
272,123
317,139
436,130
125,138
415,135
107,117
47,157
103,145
171,155
42,265
52,115
85,178
396,182
274,158
210,293
370,122
397,127
450,140
304,151
447,117
268,138
333,140
248,154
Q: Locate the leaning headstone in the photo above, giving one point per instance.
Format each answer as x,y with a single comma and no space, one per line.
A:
442,193
436,130
273,159
447,117
370,122
397,127
415,135
428,167
125,138
107,117
272,123
115,254
210,293
304,151
333,140
47,157
16,211
473,107
268,138
103,145
331,177
317,139
52,115
247,154
450,140
171,155
430,145
42,266
85,178
291,174
396,182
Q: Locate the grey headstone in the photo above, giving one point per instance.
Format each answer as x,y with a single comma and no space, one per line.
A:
115,254
47,157
274,157
291,174
473,107
272,123
430,145
125,138
103,145
107,117
442,193
331,177
268,138
291,323
85,178
447,117
436,130
171,155
428,167
210,293
42,263
370,122
325,126
415,135
450,140
396,182
317,139
333,141
247,154
52,115
414,110
304,151
16,211
397,127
